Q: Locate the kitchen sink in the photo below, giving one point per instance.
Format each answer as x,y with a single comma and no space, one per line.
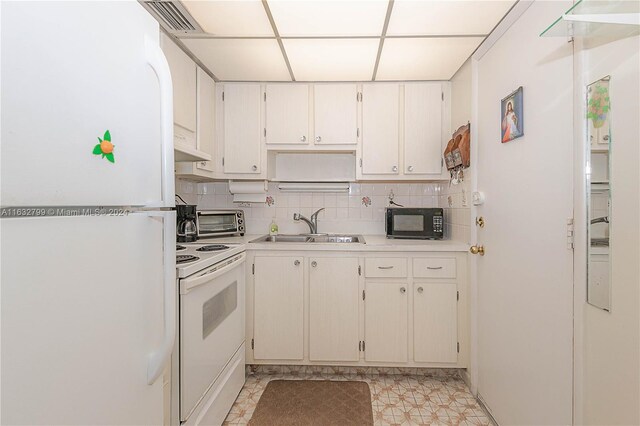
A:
283,239
306,238
338,239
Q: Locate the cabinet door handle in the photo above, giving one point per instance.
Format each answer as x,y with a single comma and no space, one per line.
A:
434,267
403,290
420,290
394,168
385,267
314,263
318,138
254,168
303,138
410,168
296,262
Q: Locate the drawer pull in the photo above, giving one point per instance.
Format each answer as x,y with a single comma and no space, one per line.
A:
385,267
434,267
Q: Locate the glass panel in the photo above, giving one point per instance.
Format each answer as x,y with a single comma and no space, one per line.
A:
611,10
216,223
408,223
599,197
219,307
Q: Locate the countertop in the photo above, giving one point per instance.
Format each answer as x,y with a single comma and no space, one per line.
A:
372,243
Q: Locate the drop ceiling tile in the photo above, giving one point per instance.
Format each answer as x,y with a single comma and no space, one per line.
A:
329,17
332,59
241,59
446,17
231,18
424,58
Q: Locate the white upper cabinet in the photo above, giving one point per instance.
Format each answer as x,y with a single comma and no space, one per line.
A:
380,135
242,128
287,114
206,118
422,128
336,114
183,75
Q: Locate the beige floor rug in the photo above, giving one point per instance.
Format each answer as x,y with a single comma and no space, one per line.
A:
313,402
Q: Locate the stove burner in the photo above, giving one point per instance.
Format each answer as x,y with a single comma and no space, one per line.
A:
184,258
212,247
180,248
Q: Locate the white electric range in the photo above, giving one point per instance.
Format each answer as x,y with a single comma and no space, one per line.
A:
209,358
196,256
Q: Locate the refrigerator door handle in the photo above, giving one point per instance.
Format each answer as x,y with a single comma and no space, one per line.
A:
159,358
158,62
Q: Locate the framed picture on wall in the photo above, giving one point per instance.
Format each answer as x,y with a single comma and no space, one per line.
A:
512,118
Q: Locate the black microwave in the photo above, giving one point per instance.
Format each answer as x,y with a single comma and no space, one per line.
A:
414,223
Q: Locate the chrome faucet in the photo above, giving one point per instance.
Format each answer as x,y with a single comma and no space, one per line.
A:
603,219
313,223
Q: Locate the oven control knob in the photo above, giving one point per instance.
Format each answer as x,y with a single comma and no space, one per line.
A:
297,262
240,221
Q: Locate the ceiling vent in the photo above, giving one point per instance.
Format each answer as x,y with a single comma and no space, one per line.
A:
173,16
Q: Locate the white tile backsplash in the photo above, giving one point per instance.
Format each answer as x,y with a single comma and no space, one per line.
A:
343,212
456,202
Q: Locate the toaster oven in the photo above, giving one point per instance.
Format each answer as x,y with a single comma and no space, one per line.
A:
217,223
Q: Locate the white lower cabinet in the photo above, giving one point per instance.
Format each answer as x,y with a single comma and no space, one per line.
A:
364,309
435,313
386,310
278,308
333,309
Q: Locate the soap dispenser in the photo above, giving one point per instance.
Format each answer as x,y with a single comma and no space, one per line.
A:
273,229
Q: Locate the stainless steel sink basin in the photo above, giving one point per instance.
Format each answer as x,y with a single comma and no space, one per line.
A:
283,239
306,238
337,239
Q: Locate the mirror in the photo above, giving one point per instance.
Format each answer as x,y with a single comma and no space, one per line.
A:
598,194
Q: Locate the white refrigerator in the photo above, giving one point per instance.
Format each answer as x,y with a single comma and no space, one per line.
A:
87,232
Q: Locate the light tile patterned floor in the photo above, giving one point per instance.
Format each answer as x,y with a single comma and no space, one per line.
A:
407,399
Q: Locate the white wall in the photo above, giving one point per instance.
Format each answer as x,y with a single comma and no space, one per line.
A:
608,343
456,199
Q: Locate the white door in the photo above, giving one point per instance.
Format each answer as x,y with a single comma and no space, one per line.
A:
80,79
82,310
336,114
278,328
435,322
242,128
524,280
422,128
183,75
333,309
386,321
206,119
287,114
380,136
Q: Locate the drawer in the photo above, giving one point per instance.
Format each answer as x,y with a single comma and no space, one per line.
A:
390,267
434,267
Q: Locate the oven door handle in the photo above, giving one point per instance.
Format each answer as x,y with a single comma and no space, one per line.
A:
188,284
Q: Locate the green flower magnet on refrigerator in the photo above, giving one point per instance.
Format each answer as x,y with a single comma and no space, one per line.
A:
105,147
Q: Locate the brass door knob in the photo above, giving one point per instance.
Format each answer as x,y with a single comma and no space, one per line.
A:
477,250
